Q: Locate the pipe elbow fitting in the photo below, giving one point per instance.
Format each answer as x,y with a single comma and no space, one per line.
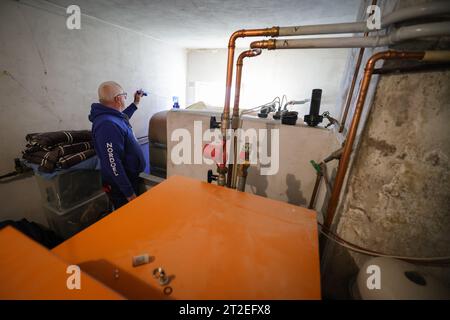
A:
263,44
234,36
256,52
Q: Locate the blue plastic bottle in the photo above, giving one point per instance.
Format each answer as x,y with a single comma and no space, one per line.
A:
175,102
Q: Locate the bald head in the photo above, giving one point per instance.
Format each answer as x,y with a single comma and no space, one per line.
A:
108,95
108,90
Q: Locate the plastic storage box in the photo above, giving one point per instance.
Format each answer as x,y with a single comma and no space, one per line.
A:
68,222
70,188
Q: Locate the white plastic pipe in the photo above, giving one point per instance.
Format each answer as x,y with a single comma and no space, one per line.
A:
419,11
402,34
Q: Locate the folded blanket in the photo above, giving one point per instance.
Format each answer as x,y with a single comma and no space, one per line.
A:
61,149
73,148
45,159
48,161
71,160
49,140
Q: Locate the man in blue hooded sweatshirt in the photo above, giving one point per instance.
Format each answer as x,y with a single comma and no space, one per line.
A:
120,154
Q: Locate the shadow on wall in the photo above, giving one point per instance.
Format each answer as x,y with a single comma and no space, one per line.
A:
256,182
293,192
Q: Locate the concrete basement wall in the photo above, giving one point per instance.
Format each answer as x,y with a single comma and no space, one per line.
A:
49,77
398,199
294,181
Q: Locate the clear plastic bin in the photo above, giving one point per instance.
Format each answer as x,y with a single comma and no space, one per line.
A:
70,188
68,222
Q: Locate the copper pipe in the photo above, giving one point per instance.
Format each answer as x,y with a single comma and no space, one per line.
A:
267,32
242,169
352,86
231,178
263,44
345,158
237,86
232,171
316,188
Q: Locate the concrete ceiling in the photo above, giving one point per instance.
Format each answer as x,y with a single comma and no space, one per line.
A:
209,23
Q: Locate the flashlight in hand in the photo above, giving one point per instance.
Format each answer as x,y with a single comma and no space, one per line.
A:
140,91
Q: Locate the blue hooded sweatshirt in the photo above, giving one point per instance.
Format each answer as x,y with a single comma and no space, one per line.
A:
121,157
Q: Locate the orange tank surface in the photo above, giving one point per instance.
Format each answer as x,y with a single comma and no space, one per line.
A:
212,242
30,271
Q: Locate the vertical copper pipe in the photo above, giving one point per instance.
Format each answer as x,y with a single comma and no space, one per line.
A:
267,32
316,188
235,119
237,85
352,86
345,158
242,169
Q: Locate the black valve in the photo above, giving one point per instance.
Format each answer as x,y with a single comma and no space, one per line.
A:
213,123
265,110
212,177
289,117
277,115
314,118
263,114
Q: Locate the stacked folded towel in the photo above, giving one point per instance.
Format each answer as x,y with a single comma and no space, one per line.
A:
61,149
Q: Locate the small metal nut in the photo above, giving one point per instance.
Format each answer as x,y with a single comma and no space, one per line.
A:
167,290
160,274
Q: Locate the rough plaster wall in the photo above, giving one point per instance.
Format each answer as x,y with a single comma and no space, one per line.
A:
391,204
49,77
398,200
294,181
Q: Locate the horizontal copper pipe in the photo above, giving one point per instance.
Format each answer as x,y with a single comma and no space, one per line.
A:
263,44
345,158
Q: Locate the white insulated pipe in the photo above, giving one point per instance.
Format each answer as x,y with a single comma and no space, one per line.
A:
419,11
399,35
